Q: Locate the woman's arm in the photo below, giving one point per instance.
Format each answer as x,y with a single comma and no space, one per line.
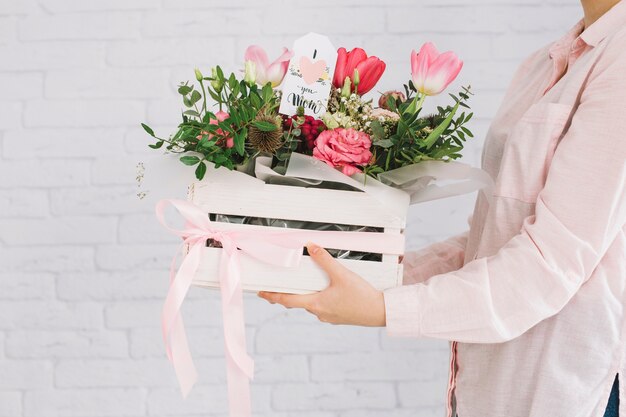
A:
578,214
435,259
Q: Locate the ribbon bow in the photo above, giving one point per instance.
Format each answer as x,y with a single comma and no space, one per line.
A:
198,228
280,247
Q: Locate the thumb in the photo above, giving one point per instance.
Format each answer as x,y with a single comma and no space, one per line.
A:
325,260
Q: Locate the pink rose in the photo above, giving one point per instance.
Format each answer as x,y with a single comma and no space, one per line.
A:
221,116
343,148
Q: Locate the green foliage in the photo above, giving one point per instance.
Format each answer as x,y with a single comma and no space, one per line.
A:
440,136
201,130
213,136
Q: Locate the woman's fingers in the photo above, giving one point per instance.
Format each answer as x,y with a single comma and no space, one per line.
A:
289,300
325,260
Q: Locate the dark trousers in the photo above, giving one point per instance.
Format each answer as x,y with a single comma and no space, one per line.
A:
612,408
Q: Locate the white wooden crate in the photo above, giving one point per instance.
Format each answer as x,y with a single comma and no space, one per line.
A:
215,194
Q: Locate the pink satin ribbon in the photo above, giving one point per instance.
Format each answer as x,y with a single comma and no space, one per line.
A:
276,247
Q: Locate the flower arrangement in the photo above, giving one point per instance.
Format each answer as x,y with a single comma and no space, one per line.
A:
229,120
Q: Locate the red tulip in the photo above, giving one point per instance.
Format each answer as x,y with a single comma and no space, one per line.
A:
369,69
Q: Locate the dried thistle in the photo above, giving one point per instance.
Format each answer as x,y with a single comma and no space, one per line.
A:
266,141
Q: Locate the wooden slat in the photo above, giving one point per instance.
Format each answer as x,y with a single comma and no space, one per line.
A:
306,278
294,203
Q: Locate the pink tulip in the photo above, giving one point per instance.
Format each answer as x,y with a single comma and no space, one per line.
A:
369,69
431,71
266,72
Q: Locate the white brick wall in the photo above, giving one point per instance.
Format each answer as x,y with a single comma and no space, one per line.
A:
83,267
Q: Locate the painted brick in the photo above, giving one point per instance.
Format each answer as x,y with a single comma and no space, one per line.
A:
40,344
46,315
106,286
79,26
115,171
96,113
134,257
223,22
421,393
333,396
171,52
94,373
113,402
203,399
108,83
18,86
10,403
50,55
10,115
58,230
22,286
25,374
62,143
65,6
296,338
20,202
91,200
46,259
45,173
8,30
8,7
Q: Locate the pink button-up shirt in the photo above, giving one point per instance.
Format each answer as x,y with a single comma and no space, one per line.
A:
534,295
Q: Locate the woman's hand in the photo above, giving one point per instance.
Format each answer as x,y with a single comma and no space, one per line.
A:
348,299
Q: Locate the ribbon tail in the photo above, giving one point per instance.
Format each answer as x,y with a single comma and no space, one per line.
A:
181,358
172,324
240,367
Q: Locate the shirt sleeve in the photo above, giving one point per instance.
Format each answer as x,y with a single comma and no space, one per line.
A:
578,214
435,259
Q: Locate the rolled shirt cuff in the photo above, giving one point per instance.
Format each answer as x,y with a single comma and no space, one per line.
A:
402,311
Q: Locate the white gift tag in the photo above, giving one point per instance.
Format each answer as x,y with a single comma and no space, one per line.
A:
310,76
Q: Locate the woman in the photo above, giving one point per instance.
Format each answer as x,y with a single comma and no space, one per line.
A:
533,295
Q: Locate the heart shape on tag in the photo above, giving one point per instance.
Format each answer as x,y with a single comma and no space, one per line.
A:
311,71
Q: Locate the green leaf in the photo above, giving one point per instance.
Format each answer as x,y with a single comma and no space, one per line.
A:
434,135
391,103
148,129
385,143
256,101
189,160
265,126
467,131
240,142
267,92
192,113
195,97
184,90
215,96
200,170
377,130
156,145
